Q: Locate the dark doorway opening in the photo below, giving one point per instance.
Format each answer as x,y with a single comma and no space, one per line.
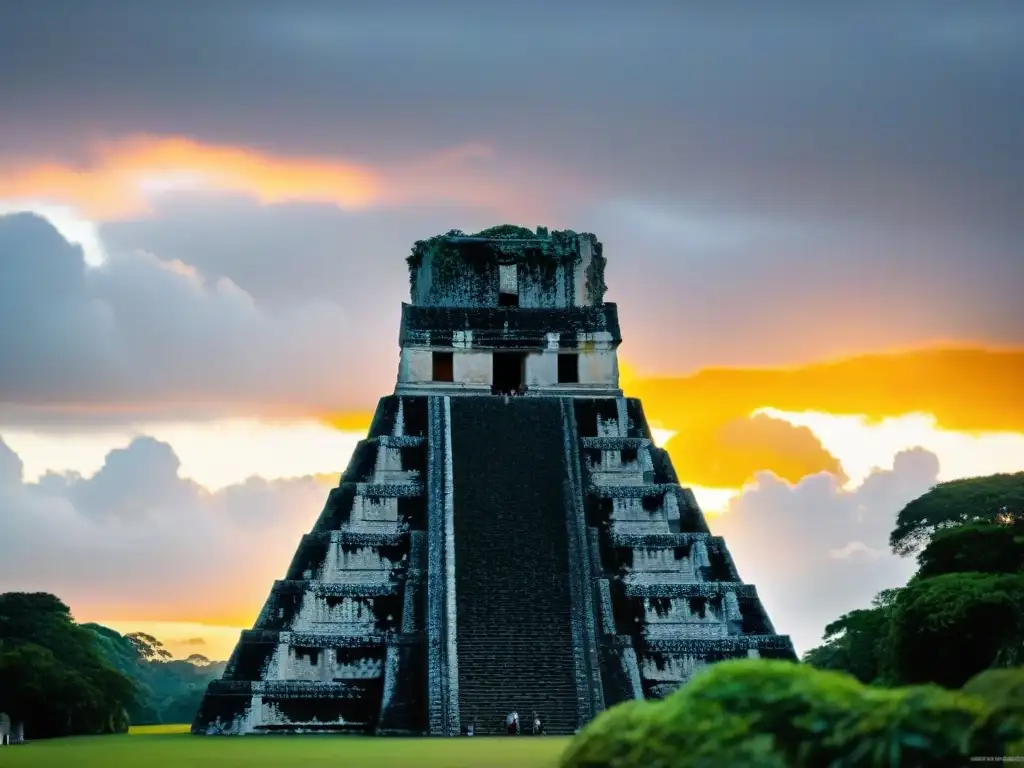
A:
508,372
508,299
443,367
568,368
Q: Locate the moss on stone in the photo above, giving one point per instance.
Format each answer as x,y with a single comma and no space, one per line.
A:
507,232
596,286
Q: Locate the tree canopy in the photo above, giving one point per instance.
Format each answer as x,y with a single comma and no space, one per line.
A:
53,674
62,678
171,689
992,498
977,547
858,642
963,611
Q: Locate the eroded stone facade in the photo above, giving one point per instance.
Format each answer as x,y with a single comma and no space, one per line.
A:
390,620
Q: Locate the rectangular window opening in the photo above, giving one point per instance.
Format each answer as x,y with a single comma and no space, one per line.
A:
443,366
508,285
568,368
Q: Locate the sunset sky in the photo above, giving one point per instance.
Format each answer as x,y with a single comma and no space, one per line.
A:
813,215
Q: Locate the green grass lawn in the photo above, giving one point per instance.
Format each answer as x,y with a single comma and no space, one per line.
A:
171,745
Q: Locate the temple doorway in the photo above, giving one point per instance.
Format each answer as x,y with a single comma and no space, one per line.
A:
508,372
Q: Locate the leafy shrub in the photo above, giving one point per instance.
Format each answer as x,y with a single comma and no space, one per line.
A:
776,714
1003,691
949,628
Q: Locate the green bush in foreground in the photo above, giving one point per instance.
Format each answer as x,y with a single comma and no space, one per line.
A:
1003,691
776,714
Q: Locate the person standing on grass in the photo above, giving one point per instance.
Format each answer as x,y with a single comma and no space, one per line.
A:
512,723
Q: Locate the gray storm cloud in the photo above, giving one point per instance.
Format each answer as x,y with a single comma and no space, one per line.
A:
142,332
896,113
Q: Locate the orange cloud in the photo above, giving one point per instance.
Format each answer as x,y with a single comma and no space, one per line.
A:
727,455
719,444
120,176
355,421
968,390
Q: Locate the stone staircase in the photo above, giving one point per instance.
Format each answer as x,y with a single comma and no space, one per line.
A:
515,649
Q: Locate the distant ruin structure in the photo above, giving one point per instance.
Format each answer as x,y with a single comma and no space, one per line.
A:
11,732
508,538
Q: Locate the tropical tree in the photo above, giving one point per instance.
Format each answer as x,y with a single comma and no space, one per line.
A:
53,674
948,628
171,689
992,498
858,642
147,647
995,546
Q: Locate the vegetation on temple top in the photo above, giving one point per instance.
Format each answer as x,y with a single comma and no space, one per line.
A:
509,232
61,678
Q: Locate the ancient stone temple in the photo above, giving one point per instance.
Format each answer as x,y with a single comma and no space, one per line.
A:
507,537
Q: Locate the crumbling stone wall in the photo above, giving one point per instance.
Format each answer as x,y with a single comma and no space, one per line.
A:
555,270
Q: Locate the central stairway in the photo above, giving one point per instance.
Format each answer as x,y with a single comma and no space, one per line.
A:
515,649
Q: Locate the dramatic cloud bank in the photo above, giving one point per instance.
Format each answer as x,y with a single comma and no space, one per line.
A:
815,550
773,185
143,333
135,539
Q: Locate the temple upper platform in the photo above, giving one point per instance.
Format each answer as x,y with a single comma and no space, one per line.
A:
509,310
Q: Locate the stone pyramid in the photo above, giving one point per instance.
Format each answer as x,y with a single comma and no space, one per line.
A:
506,538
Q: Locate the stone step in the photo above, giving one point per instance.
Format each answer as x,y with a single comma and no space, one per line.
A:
512,571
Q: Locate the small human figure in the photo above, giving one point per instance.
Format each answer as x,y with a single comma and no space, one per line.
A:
512,723
538,726
470,729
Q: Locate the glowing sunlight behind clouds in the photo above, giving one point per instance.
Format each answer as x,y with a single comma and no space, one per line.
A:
123,178
215,454
219,453
71,225
862,446
124,175
181,638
